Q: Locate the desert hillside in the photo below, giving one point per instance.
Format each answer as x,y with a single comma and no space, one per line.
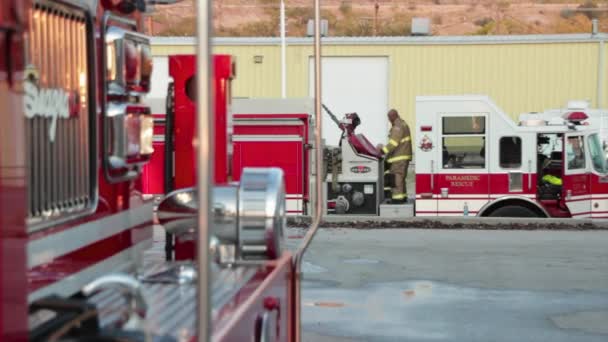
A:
388,17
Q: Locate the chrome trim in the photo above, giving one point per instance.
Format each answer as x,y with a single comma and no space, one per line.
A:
529,174
204,162
117,135
62,177
131,291
319,181
261,211
117,37
250,216
516,181
505,198
115,128
432,176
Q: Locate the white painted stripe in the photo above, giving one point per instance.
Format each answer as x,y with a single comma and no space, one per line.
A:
579,198
121,262
269,138
467,195
458,205
267,122
494,196
47,248
602,206
293,204
426,205
576,208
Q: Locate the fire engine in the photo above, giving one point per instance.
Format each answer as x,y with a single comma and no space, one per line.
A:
74,220
472,158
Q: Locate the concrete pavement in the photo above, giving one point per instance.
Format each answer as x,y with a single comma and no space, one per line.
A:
443,285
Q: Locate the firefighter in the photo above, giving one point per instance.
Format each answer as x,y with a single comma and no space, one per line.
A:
397,154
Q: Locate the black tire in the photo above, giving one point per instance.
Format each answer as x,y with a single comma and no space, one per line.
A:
513,211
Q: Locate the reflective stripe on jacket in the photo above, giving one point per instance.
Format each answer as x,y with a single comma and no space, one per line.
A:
553,180
399,145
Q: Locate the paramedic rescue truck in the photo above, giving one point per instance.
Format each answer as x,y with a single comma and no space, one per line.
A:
472,159
75,138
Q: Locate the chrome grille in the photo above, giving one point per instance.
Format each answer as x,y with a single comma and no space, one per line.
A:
59,171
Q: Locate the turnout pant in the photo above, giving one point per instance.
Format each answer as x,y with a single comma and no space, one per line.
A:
399,170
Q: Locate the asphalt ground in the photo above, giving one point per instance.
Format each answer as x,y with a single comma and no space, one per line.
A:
454,285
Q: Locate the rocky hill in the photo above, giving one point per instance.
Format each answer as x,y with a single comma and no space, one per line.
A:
388,17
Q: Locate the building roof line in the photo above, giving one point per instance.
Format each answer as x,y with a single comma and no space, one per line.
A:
427,40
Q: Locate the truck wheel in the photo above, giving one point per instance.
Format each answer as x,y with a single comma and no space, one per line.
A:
513,211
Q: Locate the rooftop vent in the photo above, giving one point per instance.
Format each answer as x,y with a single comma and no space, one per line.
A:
421,27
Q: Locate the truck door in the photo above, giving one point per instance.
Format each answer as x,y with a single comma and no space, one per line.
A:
463,179
576,190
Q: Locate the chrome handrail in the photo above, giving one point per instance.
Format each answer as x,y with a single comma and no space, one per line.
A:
204,143
312,230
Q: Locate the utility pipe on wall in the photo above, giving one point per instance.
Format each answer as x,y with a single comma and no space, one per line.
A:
600,73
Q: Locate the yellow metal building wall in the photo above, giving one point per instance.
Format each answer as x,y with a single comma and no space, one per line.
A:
518,77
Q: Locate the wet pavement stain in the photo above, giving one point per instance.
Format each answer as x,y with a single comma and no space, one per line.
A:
426,310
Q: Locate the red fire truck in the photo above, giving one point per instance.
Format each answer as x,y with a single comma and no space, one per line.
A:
471,158
73,218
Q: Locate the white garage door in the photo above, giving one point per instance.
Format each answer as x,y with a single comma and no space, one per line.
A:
354,84
158,87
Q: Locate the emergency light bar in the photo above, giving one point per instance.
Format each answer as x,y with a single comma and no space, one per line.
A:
575,117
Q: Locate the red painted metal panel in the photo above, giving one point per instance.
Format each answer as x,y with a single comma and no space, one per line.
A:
270,290
183,69
578,184
287,155
184,249
423,184
13,196
294,160
599,184
469,183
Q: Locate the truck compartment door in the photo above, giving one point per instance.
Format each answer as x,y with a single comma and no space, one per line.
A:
576,190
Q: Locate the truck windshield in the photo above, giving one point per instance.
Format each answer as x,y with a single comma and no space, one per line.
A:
597,154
